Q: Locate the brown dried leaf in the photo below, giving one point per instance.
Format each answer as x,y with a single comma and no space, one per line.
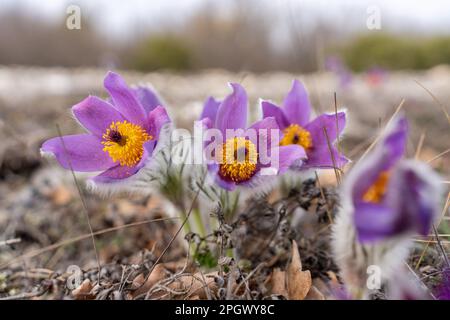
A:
314,294
298,282
140,287
195,286
83,292
278,282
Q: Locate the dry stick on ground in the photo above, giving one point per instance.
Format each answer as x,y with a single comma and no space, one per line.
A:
57,245
400,106
428,242
10,242
83,202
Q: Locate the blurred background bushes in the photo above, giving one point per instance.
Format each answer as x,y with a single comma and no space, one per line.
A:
396,52
246,37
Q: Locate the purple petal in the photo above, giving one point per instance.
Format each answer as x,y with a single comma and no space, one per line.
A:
124,100
82,152
386,154
322,157
96,115
232,112
327,121
213,169
263,130
119,172
156,120
296,105
413,194
210,109
374,222
271,110
147,97
288,155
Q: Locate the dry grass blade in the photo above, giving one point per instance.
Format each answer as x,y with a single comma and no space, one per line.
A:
439,156
380,135
330,149
324,198
428,242
419,145
443,108
83,202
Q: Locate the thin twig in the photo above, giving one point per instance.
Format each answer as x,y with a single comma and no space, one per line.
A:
444,109
83,202
330,148
399,107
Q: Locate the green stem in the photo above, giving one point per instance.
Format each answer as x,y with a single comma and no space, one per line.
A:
197,215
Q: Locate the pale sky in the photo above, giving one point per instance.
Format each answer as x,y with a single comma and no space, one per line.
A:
122,18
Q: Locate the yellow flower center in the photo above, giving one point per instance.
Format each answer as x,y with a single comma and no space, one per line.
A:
295,134
124,142
237,158
377,190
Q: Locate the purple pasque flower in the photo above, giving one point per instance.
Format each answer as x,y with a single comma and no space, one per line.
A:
236,160
391,196
335,65
293,118
122,132
443,289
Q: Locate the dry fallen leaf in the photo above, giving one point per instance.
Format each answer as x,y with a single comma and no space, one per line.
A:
195,285
298,282
314,294
83,291
140,287
278,282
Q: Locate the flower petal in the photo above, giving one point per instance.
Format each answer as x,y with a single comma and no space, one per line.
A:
271,110
322,157
296,105
213,169
414,194
119,172
374,222
385,155
263,130
288,155
156,120
82,152
232,112
148,97
96,115
210,109
124,100
327,121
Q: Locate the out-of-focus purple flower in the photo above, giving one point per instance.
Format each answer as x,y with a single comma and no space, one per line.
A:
237,160
391,196
122,132
334,64
294,120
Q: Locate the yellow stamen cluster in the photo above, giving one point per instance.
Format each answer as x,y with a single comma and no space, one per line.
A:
295,134
124,142
237,158
377,190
